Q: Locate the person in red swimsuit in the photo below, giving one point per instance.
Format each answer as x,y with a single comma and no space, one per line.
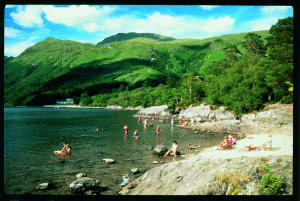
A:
126,129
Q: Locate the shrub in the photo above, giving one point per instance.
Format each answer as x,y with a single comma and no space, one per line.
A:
271,185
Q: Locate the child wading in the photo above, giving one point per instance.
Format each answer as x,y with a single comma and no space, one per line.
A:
136,134
126,129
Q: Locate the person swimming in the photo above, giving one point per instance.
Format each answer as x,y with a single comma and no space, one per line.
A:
66,150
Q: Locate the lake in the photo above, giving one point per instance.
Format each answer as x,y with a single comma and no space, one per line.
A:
31,134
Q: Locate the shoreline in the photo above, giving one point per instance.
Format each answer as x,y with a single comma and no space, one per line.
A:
206,165
110,107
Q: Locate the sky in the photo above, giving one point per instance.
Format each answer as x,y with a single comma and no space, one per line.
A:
25,25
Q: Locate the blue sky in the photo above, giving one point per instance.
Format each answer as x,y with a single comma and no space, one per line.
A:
25,25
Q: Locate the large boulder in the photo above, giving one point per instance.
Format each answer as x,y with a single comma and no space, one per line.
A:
205,112
80,175
83,184
135,170
160,150
43,186
154,111
109,161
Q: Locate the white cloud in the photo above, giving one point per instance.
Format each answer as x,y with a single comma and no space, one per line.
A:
208,7
11,32
221,24
91,27
262,24
17,48
27,16
167,25
83,16
275,10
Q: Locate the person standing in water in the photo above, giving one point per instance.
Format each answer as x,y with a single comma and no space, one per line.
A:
152,120
157,130
139,120
136,134
145,123
126,129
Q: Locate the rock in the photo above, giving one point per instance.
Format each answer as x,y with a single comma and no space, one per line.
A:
179,179
131,185
160,150
114,107
109,161
43,186
150,148
135,170
125,180
154,111
194,146
161,121
124,192
155,162
80,175
83,184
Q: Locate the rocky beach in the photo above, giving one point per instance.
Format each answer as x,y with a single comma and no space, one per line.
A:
237,171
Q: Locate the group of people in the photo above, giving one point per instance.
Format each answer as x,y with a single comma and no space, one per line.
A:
66,150
174,146
227,142
136,132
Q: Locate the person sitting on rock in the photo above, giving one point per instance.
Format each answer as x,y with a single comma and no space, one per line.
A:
185,124
231,140
173,149
268,144
225,144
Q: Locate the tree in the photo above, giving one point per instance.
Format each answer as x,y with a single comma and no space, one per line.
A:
280,41
231,52
254,44
85,99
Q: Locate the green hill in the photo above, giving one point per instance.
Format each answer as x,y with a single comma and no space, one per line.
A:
131,35
53,69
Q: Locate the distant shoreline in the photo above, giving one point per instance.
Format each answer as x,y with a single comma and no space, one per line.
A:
71,106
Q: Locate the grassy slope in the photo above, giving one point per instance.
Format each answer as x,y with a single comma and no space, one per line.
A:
54,63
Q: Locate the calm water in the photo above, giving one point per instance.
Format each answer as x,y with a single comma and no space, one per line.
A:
31,134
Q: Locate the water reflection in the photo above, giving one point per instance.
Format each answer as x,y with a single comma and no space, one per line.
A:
157,139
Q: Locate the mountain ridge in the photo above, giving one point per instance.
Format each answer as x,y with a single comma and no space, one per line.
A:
131,35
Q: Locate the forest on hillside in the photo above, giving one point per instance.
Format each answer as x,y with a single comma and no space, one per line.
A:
243,82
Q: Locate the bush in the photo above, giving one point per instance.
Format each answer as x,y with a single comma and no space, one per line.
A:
271,185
